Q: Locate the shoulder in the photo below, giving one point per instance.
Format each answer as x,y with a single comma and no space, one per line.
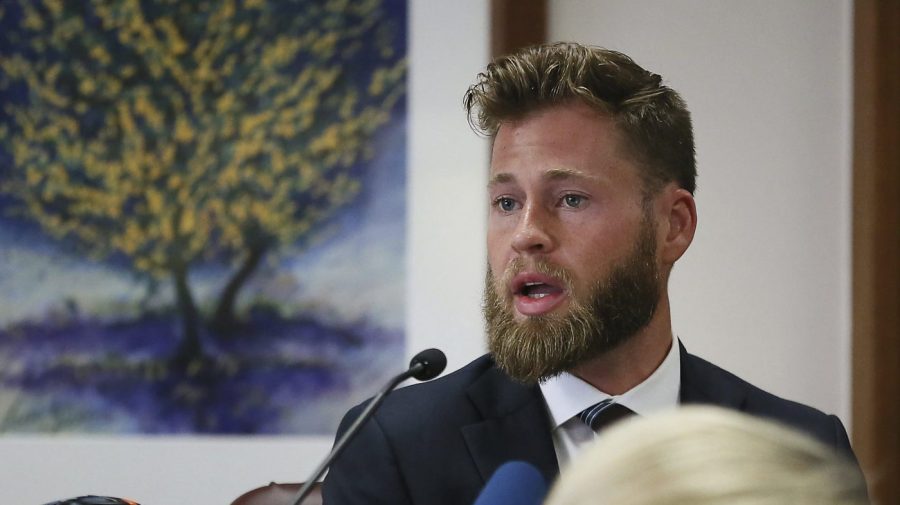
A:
392,460
704,382
450,387
445,398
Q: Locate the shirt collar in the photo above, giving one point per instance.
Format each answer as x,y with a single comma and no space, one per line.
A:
566,395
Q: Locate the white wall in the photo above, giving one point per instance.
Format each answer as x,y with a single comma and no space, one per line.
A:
764,290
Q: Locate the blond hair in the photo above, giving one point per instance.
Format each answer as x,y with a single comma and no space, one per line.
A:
707,456
653,120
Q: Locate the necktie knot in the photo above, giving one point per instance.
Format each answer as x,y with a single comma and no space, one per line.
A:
602,414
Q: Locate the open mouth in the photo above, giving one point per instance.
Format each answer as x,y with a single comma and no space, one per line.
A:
538,290
536,294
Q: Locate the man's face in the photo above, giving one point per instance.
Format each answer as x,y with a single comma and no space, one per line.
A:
571,244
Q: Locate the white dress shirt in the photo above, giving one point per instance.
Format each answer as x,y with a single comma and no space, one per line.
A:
566,396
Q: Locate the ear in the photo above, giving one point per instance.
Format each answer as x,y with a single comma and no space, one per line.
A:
677,222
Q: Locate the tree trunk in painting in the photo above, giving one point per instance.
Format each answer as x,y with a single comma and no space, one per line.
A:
190,346
224,320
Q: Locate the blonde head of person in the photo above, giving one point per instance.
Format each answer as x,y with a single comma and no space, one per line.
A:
706,456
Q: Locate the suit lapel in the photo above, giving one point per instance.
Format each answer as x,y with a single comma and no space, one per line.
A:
515,426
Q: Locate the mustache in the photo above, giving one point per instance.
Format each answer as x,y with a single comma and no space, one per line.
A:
541,266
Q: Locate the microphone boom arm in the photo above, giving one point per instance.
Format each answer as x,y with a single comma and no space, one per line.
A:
420,365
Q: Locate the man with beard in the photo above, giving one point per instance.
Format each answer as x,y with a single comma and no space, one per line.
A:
591,190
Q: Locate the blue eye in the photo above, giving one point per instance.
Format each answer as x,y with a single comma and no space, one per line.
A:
573,201
505,204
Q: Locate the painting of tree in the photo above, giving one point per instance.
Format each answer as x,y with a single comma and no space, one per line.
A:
164,138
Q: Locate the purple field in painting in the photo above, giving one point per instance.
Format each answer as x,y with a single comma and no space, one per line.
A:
92,376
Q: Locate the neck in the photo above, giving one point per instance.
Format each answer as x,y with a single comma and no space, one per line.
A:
621,369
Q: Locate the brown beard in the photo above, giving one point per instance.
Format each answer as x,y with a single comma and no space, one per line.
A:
615,309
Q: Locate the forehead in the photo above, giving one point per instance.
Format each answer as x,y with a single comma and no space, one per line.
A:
564,141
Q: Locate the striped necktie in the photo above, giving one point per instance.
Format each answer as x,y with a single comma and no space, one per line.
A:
601,415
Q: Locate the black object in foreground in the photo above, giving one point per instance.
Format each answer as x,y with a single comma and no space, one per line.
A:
94,500
426,365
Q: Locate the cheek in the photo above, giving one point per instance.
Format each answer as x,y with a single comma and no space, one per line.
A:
496,260
497,243
591,255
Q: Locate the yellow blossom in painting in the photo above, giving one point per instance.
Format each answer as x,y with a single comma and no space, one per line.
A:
175,133
183,131
101,54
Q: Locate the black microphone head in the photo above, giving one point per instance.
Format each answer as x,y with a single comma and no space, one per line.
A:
431,363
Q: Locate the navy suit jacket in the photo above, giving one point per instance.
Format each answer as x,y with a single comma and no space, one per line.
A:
437,443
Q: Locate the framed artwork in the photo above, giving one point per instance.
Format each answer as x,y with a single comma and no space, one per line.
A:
202,213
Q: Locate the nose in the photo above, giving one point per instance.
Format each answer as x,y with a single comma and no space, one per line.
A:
533,232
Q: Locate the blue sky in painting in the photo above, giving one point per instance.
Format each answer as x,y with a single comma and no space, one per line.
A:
361,272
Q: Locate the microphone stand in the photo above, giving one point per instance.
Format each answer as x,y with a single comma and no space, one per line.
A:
357,424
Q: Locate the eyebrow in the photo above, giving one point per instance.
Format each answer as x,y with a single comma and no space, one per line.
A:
553,174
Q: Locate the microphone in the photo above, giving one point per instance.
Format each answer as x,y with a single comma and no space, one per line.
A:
514,483
426,365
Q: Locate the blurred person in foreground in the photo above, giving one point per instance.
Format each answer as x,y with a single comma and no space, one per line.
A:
708,456
591,193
